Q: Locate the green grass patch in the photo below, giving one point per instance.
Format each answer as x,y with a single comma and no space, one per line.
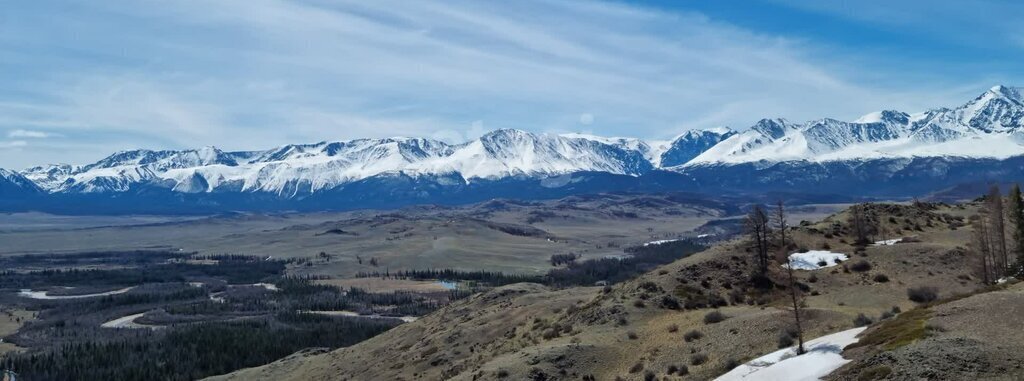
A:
897,332
876,372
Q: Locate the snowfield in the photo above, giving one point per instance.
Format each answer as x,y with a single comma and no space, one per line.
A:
811,260
823,356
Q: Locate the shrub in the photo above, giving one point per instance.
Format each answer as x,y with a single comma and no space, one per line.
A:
698,358
636,368
881,278
862,320
649,376
550,333
714,317
638,303
861,266
673,328
922,294
631,335
785,340
683,370
670,302
692,335
501,373
672,369
731,364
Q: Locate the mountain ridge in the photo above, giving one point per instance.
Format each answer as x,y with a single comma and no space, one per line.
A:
986,131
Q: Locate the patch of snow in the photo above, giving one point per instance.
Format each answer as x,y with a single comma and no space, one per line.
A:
811,260
268,286
823,356
404,319
448,285
888,242
42,295
706,235
659,242
129,322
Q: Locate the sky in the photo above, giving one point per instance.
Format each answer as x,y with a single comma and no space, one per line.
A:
83,79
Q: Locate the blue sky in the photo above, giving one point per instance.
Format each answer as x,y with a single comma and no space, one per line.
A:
82,79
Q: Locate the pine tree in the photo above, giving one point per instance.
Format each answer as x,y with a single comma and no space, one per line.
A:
1016,211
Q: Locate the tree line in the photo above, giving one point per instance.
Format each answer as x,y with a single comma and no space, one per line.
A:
997,240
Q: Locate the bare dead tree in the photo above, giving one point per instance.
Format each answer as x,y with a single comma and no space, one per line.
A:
997,226
859,222
779,220
981,245
780,224
757,226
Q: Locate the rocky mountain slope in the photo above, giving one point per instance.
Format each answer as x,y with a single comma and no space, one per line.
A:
663,324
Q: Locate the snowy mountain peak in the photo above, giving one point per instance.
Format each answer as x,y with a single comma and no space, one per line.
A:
885,116
988,126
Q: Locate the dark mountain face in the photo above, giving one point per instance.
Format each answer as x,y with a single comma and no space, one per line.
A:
692,144
823,182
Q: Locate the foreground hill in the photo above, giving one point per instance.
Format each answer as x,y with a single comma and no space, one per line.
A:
884,154
693,319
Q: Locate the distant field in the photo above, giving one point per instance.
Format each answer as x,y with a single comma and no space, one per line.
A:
504,236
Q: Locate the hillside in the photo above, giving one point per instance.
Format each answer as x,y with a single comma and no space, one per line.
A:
658,325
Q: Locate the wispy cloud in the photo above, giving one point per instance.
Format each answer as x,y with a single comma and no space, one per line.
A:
30,134
260,73
12,144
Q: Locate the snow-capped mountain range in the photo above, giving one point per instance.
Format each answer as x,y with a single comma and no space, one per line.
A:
989,127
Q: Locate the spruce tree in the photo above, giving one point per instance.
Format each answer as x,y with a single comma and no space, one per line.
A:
1016,211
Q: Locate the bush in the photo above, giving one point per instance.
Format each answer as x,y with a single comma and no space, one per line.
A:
714,317
785,340
670,302
862,320
673,328
502,373
731,364
698,358
922,294
692,335
649,376
631,335
549,334
672,369
636,368
881,278
861,266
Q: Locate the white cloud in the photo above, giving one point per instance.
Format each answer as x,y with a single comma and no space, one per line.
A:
29,134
